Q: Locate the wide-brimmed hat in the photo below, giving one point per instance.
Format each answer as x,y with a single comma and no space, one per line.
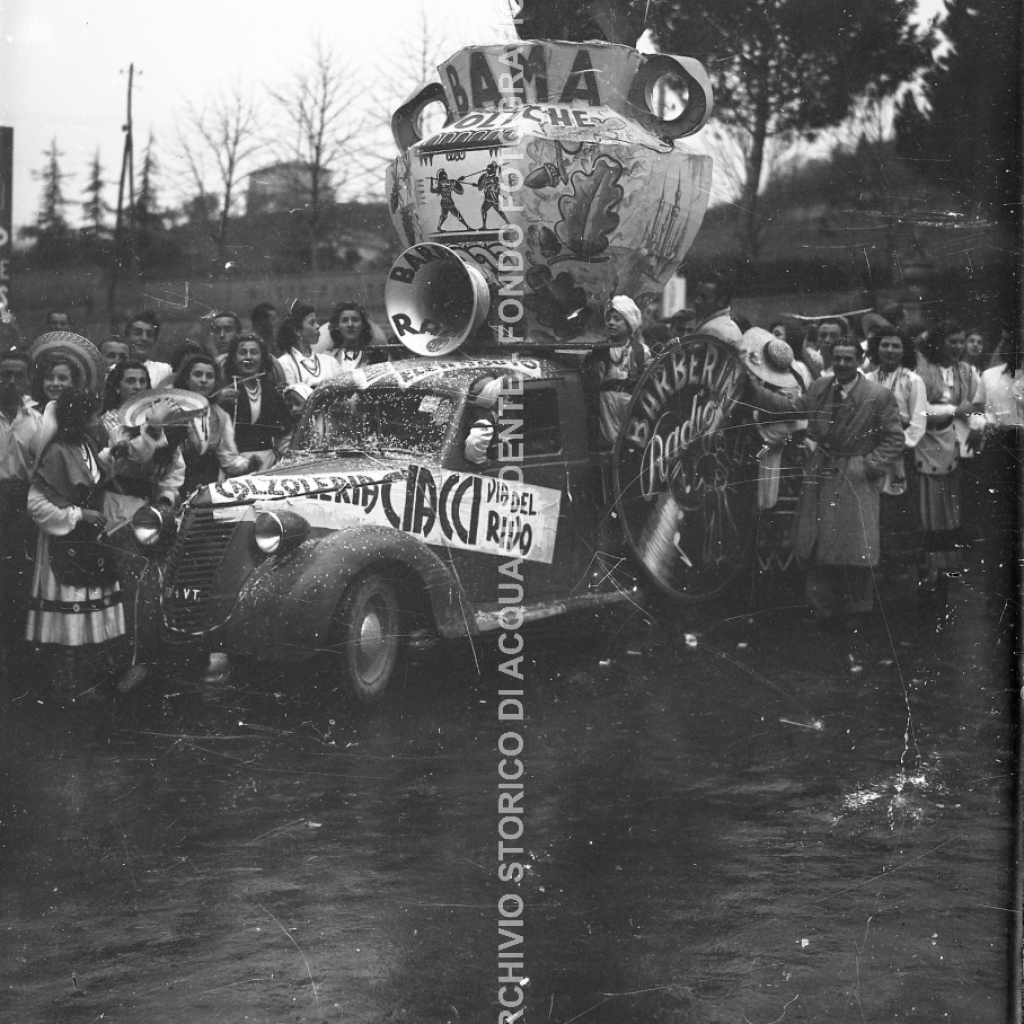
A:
82,353
768,358
137,411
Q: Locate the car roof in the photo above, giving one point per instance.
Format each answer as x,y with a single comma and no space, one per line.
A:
453,375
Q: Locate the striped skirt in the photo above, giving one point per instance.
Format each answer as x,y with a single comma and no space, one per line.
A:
72,616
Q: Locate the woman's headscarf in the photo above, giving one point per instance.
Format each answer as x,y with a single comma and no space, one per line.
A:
628,310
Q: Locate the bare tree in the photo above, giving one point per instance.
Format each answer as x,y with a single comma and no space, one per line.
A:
322,133
421,49
729,146
216,142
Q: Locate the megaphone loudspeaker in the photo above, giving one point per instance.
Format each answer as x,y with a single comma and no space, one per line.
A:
435,299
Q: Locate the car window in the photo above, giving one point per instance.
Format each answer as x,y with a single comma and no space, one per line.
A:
542,431
376,420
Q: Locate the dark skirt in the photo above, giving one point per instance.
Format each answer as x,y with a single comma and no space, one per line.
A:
899,523
1000,515
940,502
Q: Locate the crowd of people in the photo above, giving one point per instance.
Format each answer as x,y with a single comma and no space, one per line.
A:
885,443
88,435
897,442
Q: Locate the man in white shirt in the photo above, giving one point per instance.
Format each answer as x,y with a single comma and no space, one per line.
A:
711,303
141,334
20,422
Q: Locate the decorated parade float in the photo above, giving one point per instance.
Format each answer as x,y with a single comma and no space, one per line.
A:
554,184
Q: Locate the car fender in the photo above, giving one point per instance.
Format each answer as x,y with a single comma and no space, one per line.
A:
285,608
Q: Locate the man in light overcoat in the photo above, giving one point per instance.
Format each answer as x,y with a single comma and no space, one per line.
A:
856,427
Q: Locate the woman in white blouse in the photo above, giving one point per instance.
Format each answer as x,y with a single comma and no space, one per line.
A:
895,358
950,389
351,338
893,355
296,337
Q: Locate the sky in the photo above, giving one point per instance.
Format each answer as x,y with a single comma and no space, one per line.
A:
64,63
63,67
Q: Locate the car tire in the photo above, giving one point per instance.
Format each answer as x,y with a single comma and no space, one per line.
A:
368,639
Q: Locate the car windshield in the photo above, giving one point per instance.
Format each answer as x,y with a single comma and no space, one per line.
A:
376,421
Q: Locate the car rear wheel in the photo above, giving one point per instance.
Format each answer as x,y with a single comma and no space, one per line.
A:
369,637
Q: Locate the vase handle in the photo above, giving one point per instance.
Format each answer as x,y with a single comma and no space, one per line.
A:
405,120
693,116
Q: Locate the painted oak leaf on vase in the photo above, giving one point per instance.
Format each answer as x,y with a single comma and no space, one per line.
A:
559,303
589,215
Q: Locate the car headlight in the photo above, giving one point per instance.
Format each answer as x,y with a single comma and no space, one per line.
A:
152,525
278,532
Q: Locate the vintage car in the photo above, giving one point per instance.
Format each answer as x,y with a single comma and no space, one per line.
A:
375,533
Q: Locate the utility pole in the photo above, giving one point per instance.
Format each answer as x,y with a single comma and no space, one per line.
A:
127,171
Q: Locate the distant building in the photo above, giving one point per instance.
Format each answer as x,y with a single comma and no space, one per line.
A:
284,186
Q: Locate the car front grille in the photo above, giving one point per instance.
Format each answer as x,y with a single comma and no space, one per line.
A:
191,569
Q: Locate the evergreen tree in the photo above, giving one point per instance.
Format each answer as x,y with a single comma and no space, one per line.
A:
146,216
146,210
51,222
94,207
51,230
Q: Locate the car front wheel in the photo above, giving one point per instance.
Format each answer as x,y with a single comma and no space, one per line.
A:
369,637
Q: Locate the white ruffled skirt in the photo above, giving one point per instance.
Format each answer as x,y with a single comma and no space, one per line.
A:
71,616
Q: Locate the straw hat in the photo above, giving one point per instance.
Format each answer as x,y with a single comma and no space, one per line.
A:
81,352
137,411
768,358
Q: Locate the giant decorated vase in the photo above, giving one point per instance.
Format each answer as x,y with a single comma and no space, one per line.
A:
554,181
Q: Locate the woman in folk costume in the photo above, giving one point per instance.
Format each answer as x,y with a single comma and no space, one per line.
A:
612,372
892,354
351,338
951,387
253,401
66,491
298,333
209,448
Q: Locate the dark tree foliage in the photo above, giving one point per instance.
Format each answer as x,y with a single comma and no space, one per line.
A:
149,238
51,231
154,249
618,21
146,199
965,134
51,219
94,207
790,67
